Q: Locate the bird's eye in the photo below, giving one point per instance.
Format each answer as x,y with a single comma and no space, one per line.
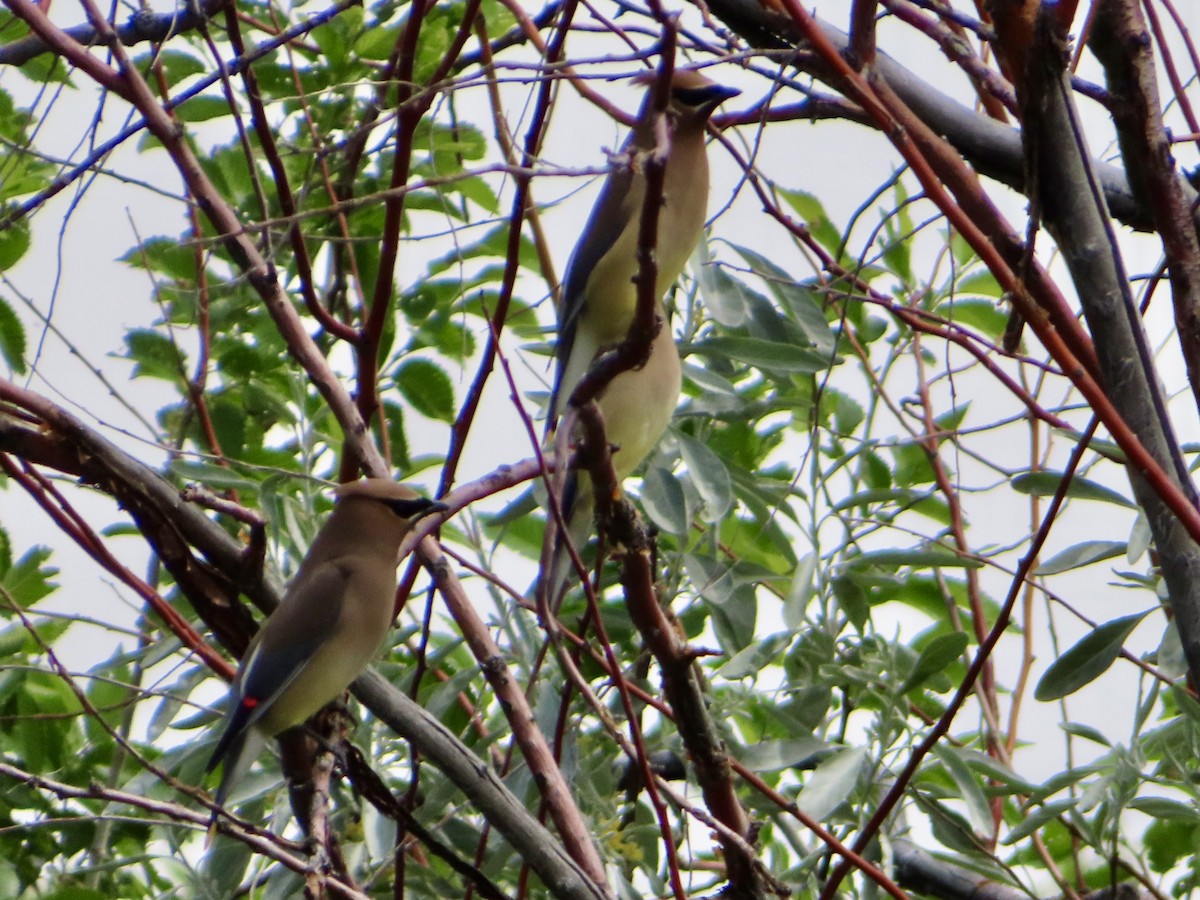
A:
414,508
695,96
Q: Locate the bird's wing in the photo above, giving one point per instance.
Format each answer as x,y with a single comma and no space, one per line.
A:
616,206
314,600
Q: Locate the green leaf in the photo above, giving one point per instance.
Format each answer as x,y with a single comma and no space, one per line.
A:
433,44
997,772
897,250
155,356
397,435
1167,842
979,810
852,599
727,299
166,256
800,591
730,594
798,299
336,38
15,639
1088,659
1079,555
1139,538
771,756
1172,662
1162,808
832,784
663,500
76,892
937,655
28,581
427,388
982,282
712,384
982,315
759,542
212,476
709,476
1087,732
912,465
12,338
1032,821
770,355
14,243
847,412
1045,484
923,558
377,43
478,191
950,827
176,64
752,659
203,108
815,217
897,497
45,731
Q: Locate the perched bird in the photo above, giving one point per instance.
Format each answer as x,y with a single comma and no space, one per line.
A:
599,296
329,626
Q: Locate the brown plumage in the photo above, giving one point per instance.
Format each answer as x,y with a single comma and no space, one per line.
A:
329,626
599,299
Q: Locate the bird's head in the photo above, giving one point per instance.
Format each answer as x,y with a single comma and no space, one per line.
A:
693,97
402,500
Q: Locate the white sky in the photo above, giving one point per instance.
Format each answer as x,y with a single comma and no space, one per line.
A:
97,300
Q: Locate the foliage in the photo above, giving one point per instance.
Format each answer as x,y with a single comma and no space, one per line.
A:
919,589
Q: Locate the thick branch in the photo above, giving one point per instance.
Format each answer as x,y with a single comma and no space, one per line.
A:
260,273
682,685
991,147
1075,214
1122,43
142,26
66,444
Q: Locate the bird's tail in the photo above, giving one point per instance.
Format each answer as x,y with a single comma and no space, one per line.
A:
559,572
238,754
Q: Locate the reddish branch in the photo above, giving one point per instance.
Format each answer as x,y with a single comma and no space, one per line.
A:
1054,325
74,525
128,84
522,200
942,727
681,683
283,192
1122,43
412,102
41,432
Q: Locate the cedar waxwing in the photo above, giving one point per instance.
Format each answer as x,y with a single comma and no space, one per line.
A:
599,297
329,626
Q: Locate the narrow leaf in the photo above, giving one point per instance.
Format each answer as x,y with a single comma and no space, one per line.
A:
832,783
770,355
1087,660
710,477
979,810
939,653
12,338
925,558
1045,484
1039,817
750,660
1079,555
771,756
